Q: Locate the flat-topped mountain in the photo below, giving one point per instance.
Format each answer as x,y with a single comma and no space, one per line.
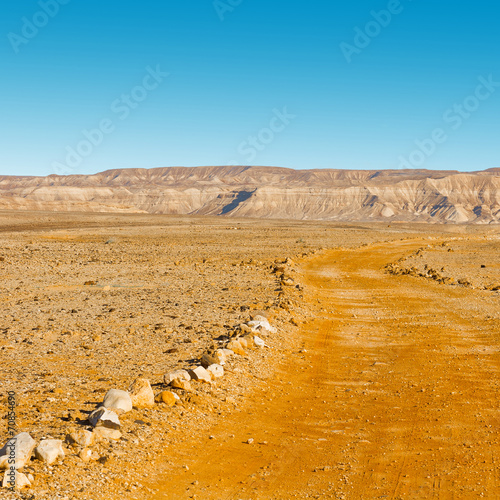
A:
267,192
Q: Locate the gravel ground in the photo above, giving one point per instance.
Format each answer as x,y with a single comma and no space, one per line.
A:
91,302
474,263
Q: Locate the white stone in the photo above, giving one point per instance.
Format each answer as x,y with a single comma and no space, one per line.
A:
236,347
21,447
102,417
244,342
199,373
216,371
16,479
176,375
85,454
181,384
117,400
259,342
222,355
208,359
105,434
80,437
261,324
49,450
142,394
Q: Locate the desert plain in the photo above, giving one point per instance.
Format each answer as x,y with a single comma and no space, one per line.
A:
381,379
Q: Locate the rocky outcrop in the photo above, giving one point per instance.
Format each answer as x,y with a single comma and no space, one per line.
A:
268,192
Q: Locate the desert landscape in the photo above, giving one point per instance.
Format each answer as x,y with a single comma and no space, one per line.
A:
344,360
250,252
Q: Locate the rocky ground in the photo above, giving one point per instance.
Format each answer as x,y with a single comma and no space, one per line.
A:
456,262
390,391
93,302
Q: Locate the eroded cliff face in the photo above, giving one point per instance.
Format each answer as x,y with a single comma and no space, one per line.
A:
268,192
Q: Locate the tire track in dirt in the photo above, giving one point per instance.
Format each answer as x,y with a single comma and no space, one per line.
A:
395,395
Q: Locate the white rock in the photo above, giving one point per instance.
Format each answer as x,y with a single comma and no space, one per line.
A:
181,384
216,371
259,342
236,346
105,434
80,437
244,328
176,375
244,342
142,394
85,454
222,355
102,417
261,324
49,450
208,359
117,400
19,447
16,479
199,373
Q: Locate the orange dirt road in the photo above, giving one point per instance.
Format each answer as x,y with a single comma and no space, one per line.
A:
396,396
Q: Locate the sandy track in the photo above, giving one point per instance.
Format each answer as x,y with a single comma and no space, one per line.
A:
395,396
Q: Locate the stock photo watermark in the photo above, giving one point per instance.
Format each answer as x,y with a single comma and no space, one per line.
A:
223,7
121,108
11,444
255,144
454,117
31,27
364,36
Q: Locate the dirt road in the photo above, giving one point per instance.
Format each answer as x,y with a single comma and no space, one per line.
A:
391,392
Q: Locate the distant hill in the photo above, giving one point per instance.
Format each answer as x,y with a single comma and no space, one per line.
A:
268,192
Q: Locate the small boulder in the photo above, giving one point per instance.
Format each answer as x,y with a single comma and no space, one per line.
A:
244,342
49,450
185,385
105,434
216,371
236,347
15,479
117,400
208,359
168,397
142,394
21,446
199,373
245,328
258,342
221,356
80,437
85,454
260,323
176,375
102,417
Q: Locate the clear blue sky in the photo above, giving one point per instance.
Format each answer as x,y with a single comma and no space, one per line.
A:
251,82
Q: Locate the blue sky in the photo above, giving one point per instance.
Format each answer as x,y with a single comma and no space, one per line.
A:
88,86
